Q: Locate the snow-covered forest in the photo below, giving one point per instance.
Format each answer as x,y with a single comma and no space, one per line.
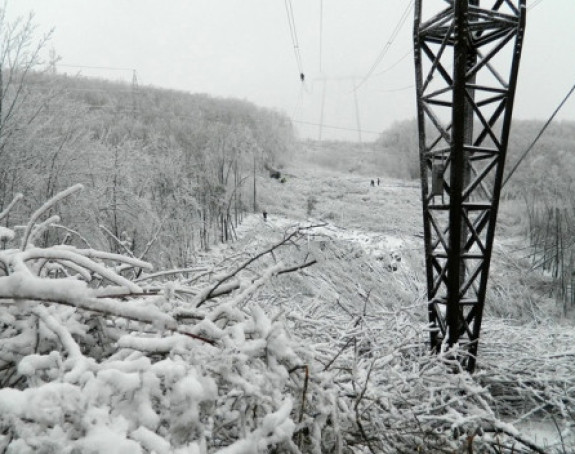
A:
147,306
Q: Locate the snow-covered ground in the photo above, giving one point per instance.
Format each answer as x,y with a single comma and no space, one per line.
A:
384,221
317,345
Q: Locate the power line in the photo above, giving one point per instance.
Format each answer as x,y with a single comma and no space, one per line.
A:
118,109
547,123
387,45
390,67
392,90
320,33
97,90
337,78
112,68
293,34
534,4
342,128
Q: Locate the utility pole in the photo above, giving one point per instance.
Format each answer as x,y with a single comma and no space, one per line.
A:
352,79
322,111
459,90
357,117
1,99
134,92
255,203
53,61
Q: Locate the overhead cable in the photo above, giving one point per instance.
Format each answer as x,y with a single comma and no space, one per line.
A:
294,38
342,128
534,4
393,65
387,45
111,68
320,34
392,90
547,123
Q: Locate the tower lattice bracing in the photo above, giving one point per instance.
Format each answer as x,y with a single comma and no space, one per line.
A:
467,56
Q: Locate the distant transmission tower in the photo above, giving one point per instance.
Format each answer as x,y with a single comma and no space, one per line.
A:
325,80
135,105
53,60
357,117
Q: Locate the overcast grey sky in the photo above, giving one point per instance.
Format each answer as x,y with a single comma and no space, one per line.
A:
243,49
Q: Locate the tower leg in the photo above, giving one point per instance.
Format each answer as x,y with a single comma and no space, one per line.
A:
464,117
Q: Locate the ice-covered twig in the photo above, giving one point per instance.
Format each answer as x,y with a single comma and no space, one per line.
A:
75,233
81,271
509,430
15,200
63,334
207,293
228,287
96,254
74,256
120,292
117,240
160,344
41,228
291,269
266,276
151,242
76,294
193,269
49,204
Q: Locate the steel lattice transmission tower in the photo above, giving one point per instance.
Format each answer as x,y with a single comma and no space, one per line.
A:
467,60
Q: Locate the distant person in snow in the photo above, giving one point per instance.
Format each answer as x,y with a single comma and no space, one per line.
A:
302,77
378,181
265,213
372,183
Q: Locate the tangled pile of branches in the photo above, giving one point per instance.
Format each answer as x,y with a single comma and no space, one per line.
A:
395,396
530,371
100,354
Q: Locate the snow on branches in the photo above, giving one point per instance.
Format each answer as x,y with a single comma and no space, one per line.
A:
91,361
99,354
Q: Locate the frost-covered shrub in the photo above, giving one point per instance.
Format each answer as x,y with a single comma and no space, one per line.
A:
93,361
98,354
